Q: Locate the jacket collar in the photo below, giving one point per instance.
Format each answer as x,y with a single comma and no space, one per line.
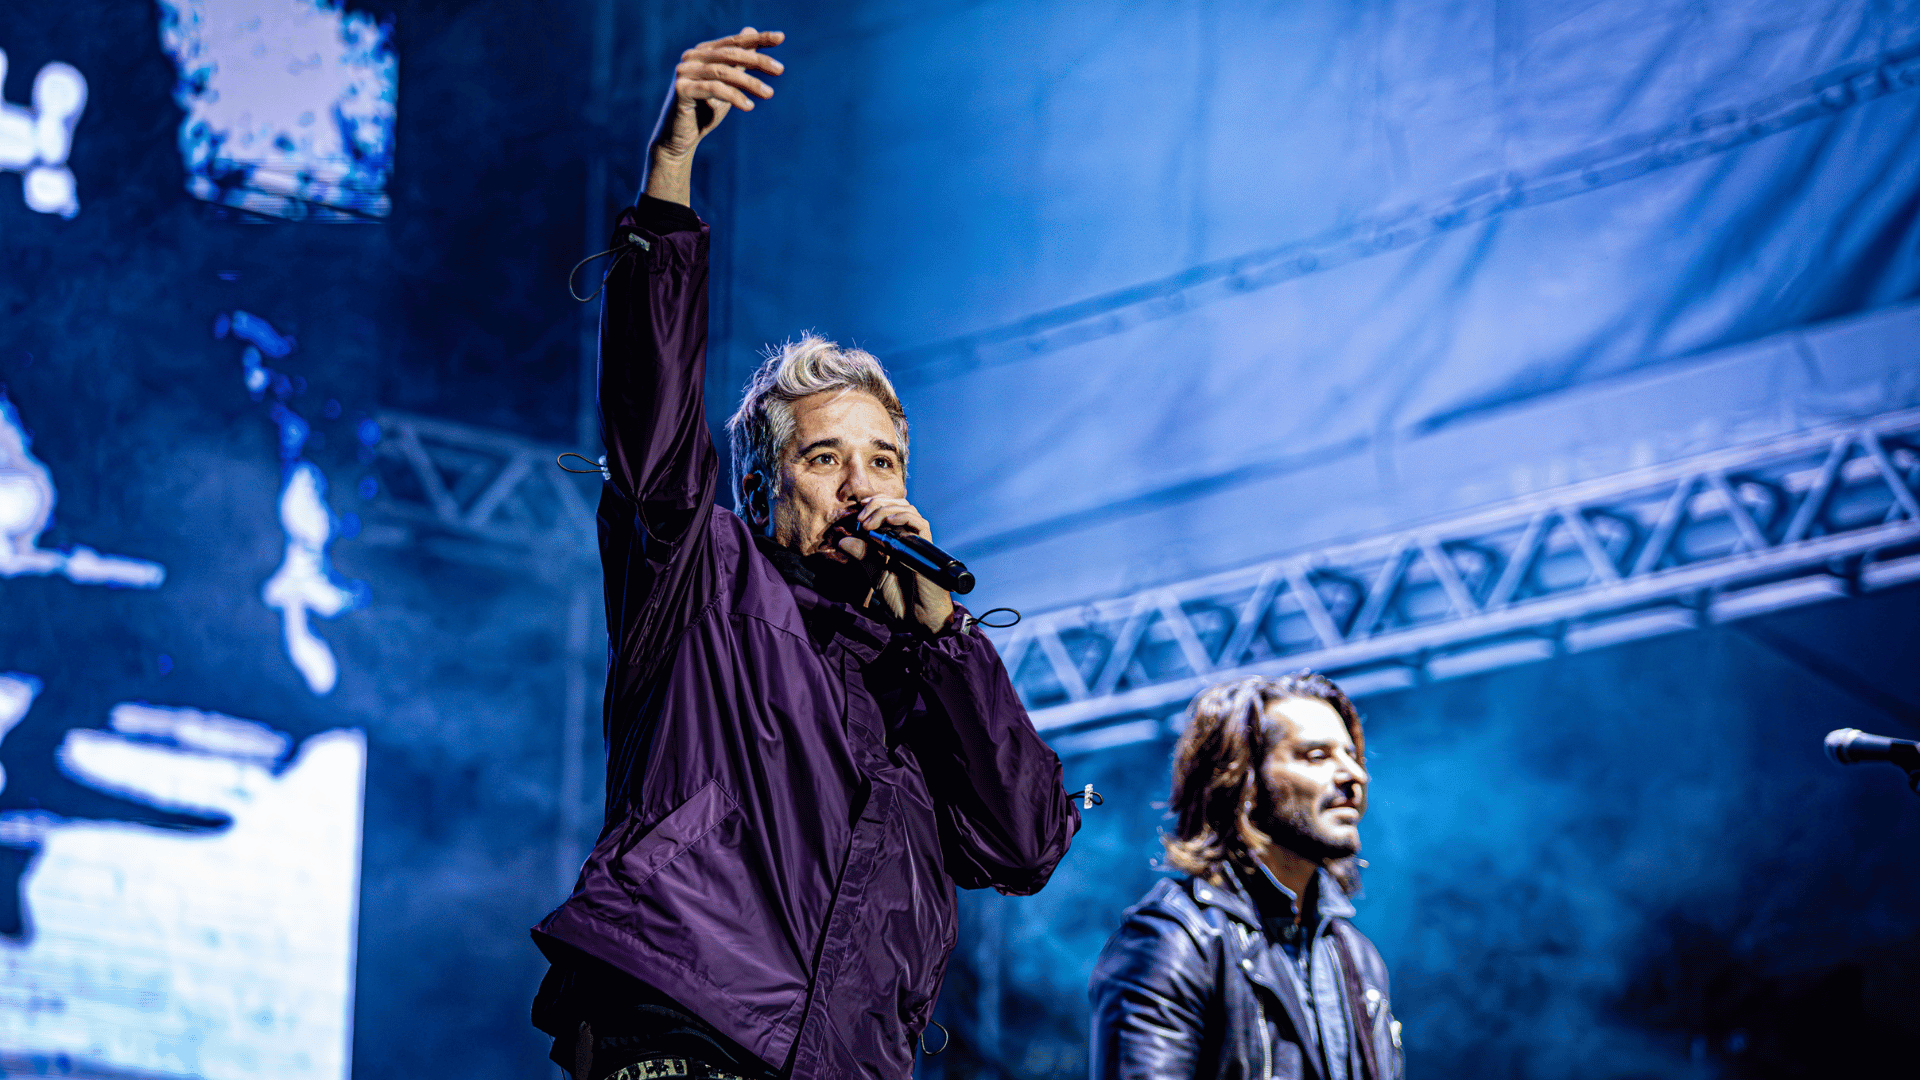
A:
1329,900
1234,899
792,567
826,619
1230,897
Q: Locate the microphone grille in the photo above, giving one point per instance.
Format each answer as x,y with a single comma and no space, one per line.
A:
1839,741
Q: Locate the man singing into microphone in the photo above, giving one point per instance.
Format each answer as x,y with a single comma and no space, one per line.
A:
1247,966
806,751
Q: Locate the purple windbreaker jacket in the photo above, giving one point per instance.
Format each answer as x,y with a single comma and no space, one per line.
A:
778,856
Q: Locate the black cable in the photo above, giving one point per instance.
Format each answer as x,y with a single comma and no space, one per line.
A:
633,240
946,1040
981,619
597,466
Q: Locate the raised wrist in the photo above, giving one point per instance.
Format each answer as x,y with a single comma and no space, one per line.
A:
670,175
662,155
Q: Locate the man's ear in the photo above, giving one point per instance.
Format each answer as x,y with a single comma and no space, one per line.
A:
753,494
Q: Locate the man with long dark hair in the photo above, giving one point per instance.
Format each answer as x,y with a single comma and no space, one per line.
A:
1246,965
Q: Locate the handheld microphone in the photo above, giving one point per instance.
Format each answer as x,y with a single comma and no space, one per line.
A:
1851,746
919,555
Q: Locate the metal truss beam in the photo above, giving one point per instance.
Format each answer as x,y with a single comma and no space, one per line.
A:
1612,161
1827,513
473,484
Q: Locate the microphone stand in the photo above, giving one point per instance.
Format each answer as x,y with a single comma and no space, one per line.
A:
1851,746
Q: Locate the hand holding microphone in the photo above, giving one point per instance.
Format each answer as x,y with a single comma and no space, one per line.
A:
918,576
898,528
914,553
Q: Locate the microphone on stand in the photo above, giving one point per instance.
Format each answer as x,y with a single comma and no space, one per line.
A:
917,554
1851,746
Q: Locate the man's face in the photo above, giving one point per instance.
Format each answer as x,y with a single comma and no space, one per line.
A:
844,449
1318,786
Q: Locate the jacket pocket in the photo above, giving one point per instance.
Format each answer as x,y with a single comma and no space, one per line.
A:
643,856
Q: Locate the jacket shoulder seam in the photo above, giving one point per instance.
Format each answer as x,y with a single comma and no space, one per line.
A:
1187,916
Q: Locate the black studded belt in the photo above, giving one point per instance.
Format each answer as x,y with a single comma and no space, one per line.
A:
671,1068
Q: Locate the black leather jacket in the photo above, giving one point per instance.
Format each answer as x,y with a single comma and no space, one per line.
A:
1189,987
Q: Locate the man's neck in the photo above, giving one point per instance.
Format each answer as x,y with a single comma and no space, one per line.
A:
1293,871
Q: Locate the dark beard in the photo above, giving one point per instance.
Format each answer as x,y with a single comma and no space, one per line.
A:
1294,830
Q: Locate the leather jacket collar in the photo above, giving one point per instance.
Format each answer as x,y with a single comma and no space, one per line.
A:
1234,899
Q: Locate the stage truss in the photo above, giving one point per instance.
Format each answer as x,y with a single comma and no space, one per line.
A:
1826,513
1818,515
502,494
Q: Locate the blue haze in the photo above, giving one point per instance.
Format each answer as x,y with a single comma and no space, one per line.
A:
1168,289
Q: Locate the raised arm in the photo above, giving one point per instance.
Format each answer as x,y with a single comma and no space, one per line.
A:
653,330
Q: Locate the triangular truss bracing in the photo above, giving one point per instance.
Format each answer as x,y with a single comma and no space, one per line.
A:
1825,513
474,484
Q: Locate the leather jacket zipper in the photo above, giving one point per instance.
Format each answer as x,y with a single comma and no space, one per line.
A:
1266,1043
1259,1010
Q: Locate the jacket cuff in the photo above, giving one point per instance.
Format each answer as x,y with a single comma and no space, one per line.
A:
660,217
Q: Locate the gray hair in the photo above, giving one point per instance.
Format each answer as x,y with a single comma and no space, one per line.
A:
761,429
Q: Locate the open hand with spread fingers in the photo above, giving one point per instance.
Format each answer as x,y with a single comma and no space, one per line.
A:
712,79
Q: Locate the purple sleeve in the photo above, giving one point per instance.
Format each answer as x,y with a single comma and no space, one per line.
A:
653,362
660,456
1005,818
